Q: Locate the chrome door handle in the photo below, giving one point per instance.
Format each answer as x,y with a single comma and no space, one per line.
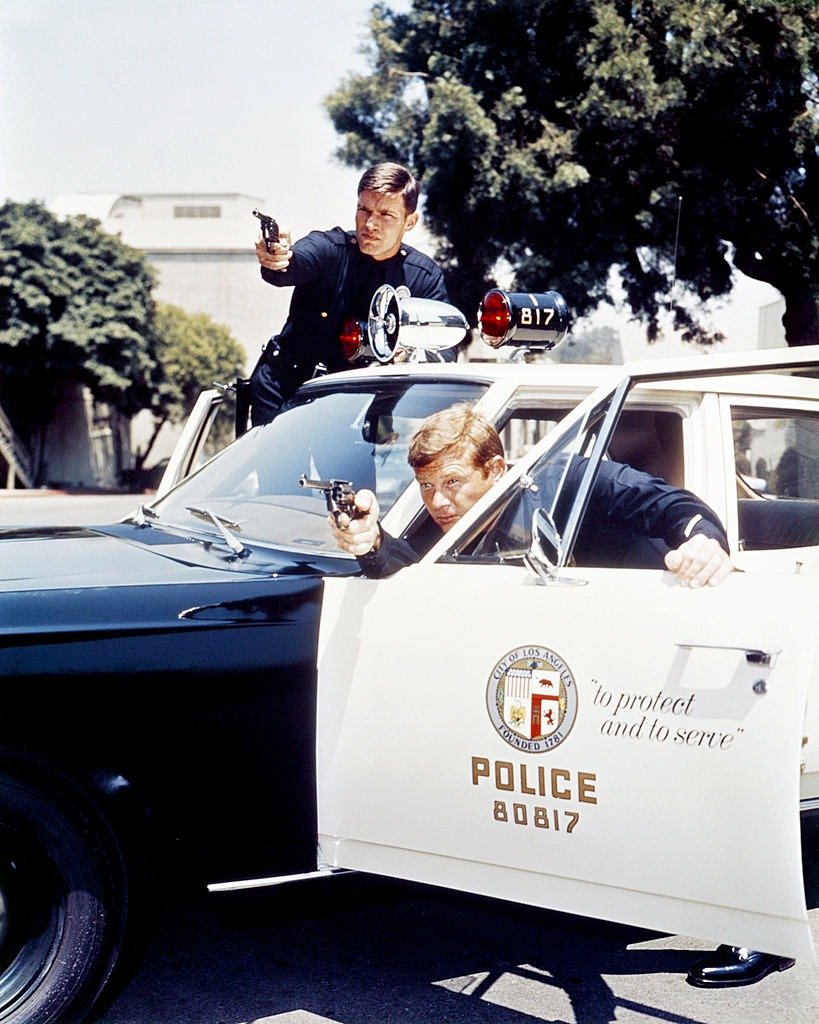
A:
764,656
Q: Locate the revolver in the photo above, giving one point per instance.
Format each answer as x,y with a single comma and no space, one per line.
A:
270,229
338,494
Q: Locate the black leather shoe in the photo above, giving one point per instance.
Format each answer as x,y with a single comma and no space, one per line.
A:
735,965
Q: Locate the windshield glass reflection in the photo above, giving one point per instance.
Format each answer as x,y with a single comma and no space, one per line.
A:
359,434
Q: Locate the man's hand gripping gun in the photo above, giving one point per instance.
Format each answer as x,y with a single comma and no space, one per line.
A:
338,494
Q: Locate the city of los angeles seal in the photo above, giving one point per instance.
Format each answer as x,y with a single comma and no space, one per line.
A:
532,699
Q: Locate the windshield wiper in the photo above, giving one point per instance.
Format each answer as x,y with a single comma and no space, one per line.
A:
222,524
214,517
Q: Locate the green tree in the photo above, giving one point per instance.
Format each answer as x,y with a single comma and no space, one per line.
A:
663,138
194,352
76,307
595,345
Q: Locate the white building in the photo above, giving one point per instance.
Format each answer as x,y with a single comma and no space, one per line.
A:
202,247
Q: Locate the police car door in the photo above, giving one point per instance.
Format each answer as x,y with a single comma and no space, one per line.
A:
597,741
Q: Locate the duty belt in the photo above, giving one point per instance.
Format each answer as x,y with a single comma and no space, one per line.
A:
281,359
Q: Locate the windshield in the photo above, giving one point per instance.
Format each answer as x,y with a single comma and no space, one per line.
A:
356,432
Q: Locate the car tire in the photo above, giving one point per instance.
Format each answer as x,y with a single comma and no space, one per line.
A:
63,898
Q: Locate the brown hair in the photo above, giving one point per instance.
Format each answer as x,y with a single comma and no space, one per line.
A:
391,179
458,427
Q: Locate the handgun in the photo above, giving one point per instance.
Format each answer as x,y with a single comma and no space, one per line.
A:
270,229
338,494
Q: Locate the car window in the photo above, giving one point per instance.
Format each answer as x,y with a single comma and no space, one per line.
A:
525,426
651,440
358,433
558,482
777,452
776,458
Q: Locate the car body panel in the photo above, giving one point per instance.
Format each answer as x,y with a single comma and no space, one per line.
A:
671,835
60,557
155,693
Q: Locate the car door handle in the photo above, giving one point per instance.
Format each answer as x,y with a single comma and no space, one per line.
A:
764,656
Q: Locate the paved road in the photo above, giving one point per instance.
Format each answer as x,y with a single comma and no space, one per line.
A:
59,508
358,950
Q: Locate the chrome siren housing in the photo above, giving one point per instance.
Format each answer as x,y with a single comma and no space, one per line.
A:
421,326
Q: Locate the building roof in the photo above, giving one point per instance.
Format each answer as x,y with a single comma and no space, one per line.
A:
173,222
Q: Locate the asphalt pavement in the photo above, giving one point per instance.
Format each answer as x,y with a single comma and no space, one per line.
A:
363,950
65,508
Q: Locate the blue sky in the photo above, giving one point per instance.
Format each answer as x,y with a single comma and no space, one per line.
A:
179,95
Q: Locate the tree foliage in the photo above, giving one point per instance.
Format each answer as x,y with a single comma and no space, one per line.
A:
75,307
664,138
194,352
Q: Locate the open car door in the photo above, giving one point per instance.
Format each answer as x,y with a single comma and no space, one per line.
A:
597,741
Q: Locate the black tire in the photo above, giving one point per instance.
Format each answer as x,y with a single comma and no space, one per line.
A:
63,898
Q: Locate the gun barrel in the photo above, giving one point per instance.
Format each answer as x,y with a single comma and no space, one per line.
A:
269,229
321,485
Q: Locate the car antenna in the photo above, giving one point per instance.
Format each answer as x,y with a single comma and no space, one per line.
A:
676,250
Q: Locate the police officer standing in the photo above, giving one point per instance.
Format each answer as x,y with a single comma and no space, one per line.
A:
335,274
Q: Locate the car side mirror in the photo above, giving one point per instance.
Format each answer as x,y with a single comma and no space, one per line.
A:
545,536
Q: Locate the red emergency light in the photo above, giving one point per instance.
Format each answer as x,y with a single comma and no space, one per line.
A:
351,339
529,319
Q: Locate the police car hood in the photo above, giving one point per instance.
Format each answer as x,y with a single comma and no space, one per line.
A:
80,558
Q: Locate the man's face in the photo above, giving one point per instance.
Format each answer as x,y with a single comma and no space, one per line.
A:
452,483
381,219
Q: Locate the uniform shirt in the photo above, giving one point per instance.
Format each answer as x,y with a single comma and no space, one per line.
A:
634,519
